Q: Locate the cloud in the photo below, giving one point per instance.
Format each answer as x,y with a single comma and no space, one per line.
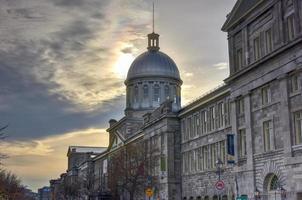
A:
33,160
221,65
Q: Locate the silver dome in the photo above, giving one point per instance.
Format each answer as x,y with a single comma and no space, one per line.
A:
153,64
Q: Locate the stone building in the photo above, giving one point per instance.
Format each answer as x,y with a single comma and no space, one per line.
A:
246,133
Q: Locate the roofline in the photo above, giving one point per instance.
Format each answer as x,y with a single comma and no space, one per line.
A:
227,26
220,91
126,82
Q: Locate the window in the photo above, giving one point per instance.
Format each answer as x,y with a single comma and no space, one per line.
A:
222,151
265,95
199,159
163,163
156,93
241,143
273,183
256,48
268,135
290,27
268,41
220,115
183,129
189,130
227,112
214,152
167,92
205,157
146,91
203,122
298,127
136,94
293,83
240,106
239,59
197,123
211,118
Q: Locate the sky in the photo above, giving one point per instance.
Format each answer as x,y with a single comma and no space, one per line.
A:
63,64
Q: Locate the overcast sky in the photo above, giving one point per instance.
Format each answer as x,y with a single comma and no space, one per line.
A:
63,63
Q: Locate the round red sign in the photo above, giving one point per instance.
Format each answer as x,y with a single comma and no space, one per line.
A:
219,185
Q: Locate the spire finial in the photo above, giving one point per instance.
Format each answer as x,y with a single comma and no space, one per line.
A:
153,38
153,19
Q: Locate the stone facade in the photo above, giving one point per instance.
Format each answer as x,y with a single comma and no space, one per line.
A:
260,106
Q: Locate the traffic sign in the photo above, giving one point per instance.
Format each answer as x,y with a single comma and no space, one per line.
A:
149,192
219,185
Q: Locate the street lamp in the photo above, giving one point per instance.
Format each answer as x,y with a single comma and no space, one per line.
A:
283,193
219,165
257,194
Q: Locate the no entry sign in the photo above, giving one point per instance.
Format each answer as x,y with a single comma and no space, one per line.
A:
219,185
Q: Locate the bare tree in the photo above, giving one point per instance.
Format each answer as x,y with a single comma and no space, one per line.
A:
2,137
129,168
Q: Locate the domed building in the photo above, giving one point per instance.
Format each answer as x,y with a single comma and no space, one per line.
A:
152,79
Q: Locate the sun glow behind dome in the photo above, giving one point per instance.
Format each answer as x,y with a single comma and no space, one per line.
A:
123,63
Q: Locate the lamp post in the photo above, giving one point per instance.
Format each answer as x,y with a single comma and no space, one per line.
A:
257,194
219,165
283,193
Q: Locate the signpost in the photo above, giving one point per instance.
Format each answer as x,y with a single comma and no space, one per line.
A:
149,192
219,185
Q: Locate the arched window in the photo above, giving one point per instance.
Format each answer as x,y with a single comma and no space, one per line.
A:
146,91
136,94
274,183
167,92
206,198
215,197
156,93
224,197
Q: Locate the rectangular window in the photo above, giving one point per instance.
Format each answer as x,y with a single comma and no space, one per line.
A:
205,157
163,163
211,118
189,130
293,83
298,127
257,48
222,151
220,113
239,63
183,129
290,27
268,41
241,143
240,106
227,112
193,127
204,122
265,95
214,151
197,122
268,135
